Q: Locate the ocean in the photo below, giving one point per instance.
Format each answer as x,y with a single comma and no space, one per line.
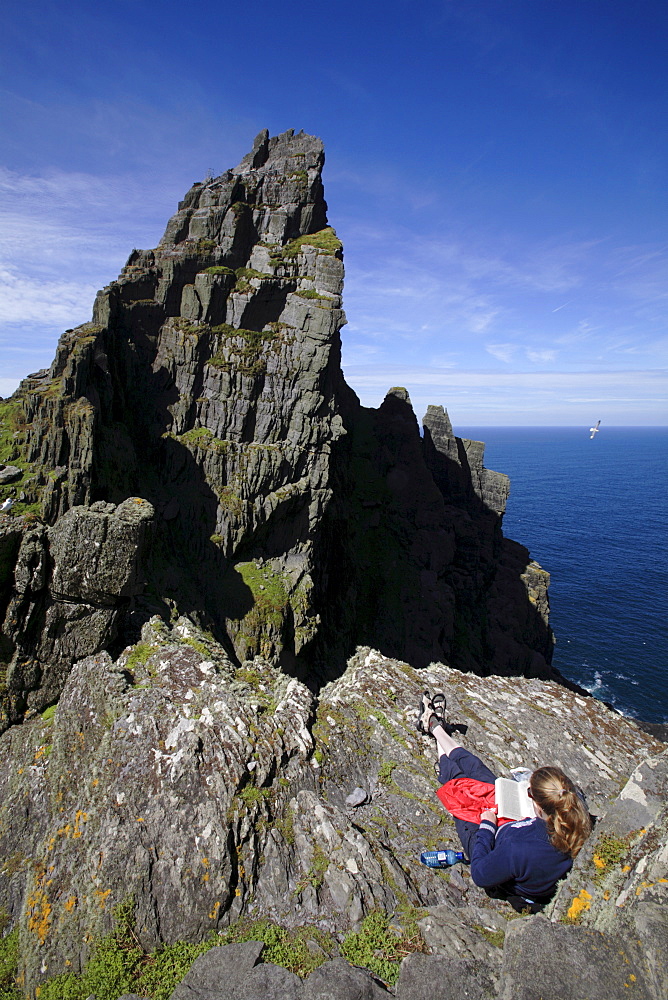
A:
594,514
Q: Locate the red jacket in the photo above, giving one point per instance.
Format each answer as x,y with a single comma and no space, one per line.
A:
466,798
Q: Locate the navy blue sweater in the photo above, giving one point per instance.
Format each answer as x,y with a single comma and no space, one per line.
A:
518,856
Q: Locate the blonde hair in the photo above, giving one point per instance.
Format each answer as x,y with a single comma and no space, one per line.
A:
568,822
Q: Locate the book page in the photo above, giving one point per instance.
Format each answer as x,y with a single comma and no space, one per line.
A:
512,799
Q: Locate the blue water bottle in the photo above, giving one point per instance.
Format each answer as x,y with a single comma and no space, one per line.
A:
441,859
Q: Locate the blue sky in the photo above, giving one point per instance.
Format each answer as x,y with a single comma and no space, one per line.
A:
496,169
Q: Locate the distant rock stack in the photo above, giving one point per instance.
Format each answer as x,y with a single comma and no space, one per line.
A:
286,519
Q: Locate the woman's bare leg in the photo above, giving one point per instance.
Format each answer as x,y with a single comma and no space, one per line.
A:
445,743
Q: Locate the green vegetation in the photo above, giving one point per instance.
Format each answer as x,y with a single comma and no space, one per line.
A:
377,948
251,795
12,426
253,338
288,948
609,853
118,964
202,437
285,825
260,685
195,644
9,960
243,282
495,938
385,773
315,876
326,241
139,656
246,359
230,501
269,594
261,628
195,435
217,270
246,273
310,293
49,713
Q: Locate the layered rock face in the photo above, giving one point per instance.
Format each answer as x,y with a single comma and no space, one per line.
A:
288,520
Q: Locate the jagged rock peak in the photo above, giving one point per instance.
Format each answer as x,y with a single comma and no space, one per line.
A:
278,184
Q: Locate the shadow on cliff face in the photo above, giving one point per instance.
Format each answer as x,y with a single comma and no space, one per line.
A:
417,564
225,585
136,455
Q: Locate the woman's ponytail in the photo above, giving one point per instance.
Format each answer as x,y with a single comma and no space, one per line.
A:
567,819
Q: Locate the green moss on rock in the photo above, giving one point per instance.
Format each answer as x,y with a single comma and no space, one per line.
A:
326,241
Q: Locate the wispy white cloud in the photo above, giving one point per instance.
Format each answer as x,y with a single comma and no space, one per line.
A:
546,398
62,237
492,300
541,357
48,303
502,352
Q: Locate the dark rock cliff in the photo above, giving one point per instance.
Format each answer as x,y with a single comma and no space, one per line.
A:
286,518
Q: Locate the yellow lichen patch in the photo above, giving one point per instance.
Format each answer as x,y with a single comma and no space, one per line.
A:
648,885
101,897
140,819
79,817
579,905
39,912
70,904
214,913
626,868
599,861
606,894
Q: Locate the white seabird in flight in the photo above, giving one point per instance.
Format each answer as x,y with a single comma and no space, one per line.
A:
594,430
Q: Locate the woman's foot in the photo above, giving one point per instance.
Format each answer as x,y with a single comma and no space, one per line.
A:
430,713
438,706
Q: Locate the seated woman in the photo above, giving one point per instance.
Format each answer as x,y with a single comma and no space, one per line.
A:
521,861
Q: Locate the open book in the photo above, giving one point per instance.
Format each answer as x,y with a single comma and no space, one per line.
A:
512,799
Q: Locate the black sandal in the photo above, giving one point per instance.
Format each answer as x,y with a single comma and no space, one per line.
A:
438,704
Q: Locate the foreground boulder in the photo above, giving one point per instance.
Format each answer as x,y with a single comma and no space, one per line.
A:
71,584
209,792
